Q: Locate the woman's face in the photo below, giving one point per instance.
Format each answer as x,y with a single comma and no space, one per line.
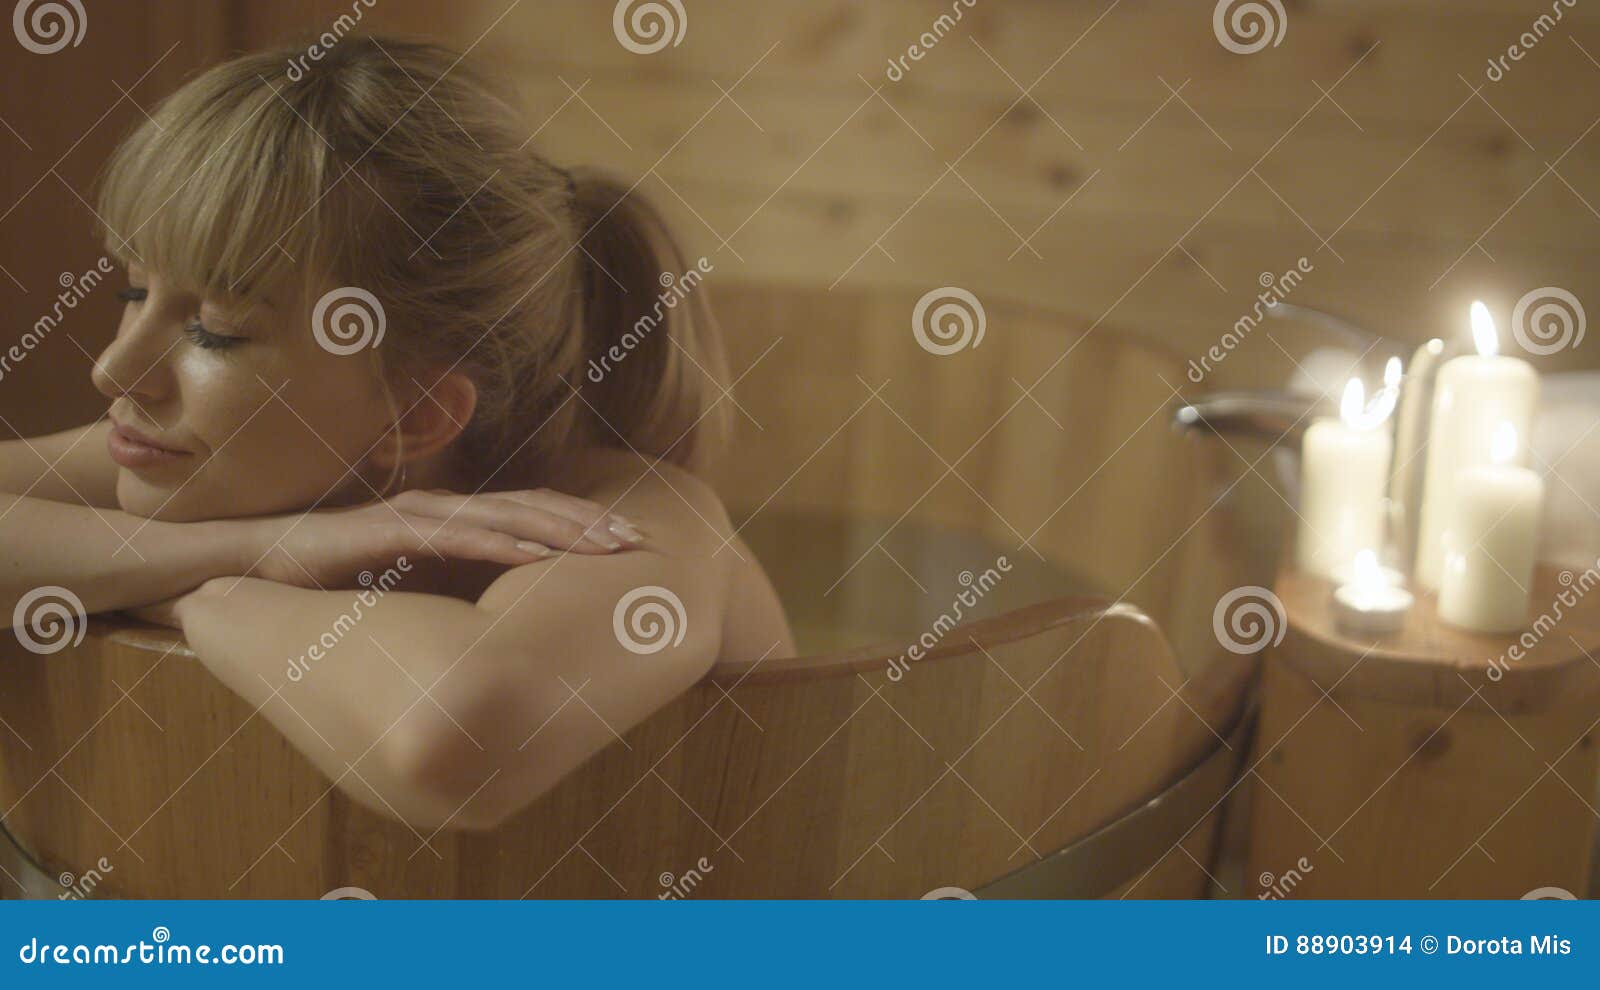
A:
220,411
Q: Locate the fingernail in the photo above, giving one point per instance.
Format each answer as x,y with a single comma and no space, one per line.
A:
627,530
535,549
605,539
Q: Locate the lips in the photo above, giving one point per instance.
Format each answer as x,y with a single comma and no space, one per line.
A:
132,449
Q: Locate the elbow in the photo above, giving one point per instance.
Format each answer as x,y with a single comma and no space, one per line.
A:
459,771
439,785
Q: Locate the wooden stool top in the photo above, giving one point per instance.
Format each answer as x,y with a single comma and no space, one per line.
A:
1553,660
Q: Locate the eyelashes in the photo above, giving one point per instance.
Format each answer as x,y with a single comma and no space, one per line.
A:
196,331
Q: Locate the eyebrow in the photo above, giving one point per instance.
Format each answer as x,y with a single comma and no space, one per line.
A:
228,300
253,302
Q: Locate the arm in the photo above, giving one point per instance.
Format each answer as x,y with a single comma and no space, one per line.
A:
62,527
71,466
457,713
109,559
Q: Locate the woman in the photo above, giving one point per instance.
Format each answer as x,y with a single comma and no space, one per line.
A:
368,329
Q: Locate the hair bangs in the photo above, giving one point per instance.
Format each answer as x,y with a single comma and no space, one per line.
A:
226,191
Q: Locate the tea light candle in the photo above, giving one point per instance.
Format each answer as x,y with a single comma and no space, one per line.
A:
1361,572
1474,394
1372,601
1491,536
1344,469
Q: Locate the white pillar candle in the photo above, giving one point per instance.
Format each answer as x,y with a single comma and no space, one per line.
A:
1473,395
1491,536
1344,470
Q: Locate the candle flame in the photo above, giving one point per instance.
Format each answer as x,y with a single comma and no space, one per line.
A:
1358,412
1365,572
1503,445
1351,403
1483,331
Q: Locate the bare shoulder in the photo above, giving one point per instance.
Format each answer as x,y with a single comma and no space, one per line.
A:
686,535
674,506
684,517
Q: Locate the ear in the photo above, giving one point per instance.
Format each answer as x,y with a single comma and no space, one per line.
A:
432,416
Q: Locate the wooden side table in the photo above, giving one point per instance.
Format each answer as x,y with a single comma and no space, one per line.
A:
1432,763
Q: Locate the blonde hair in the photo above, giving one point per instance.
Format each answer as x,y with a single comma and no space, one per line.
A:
393,167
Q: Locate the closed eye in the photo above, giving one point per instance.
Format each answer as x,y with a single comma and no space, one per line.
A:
195,330
202,337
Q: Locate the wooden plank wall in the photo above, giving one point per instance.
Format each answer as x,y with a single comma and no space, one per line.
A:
60,115
1148,178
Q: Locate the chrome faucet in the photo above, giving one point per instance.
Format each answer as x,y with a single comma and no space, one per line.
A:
1272,415
1280,417
1276,416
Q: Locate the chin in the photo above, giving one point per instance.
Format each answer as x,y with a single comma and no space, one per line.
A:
191,499
166,503
184,499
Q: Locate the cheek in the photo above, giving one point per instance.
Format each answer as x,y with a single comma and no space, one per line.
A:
280,438
221,397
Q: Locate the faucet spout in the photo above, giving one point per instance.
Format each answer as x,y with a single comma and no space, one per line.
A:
1273,416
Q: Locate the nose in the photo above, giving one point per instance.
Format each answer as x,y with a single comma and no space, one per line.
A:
134,363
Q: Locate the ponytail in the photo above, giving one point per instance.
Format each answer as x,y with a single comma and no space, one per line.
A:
654,369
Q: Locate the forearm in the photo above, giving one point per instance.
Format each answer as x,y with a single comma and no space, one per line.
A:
441,712
342,675
111,559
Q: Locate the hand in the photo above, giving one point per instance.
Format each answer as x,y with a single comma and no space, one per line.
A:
327,548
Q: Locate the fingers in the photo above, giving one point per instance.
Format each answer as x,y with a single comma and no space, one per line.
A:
594,534
467,542
522,521
540,518
593,516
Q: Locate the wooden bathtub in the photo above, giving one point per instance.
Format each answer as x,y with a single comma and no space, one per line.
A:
1067,737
